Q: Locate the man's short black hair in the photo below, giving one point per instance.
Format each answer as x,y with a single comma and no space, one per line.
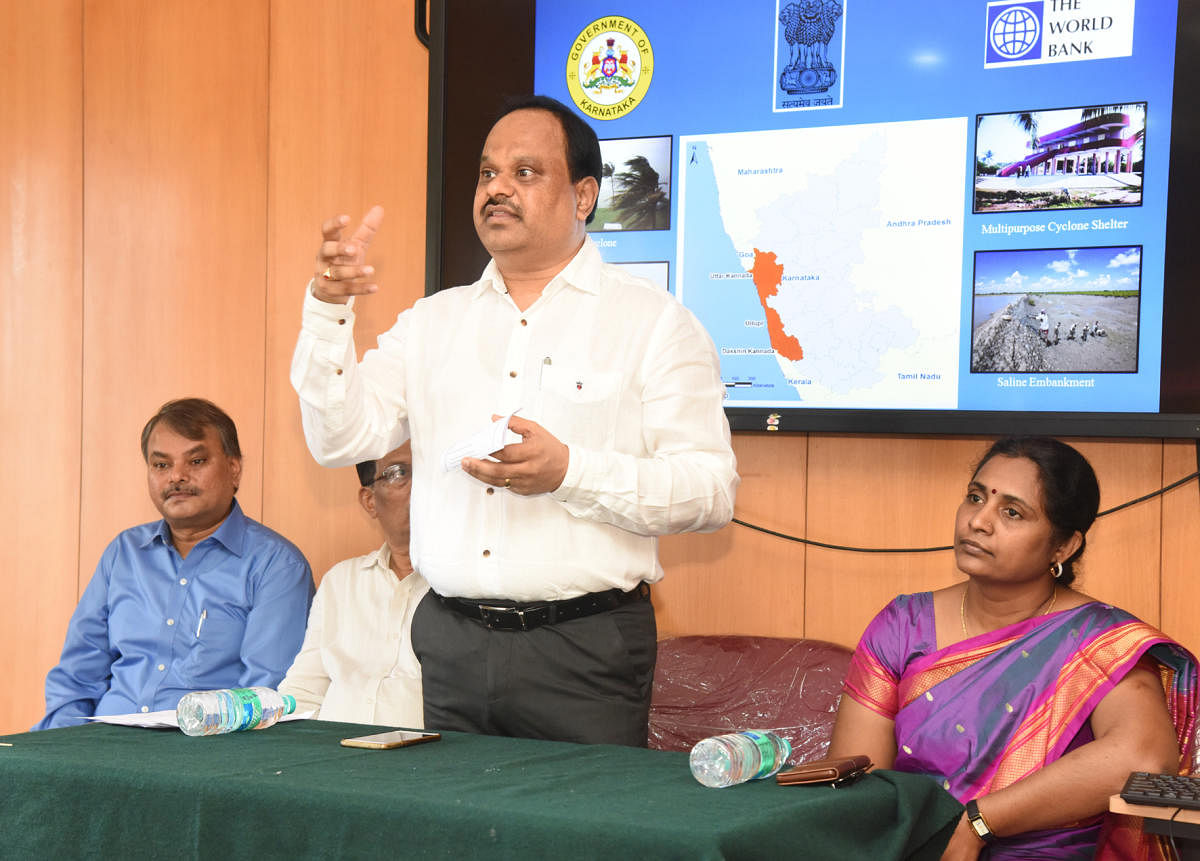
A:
190,418
366,472
583,147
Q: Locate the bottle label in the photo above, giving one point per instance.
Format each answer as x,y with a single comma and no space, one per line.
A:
251,708
766,751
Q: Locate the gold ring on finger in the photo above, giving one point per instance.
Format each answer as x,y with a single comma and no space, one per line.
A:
508,482
328,274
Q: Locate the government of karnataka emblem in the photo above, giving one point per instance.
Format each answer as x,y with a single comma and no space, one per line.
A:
609,67
612,72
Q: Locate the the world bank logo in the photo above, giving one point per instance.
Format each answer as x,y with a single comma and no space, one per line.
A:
1014,32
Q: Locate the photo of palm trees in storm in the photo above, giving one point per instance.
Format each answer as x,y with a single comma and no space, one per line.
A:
635,186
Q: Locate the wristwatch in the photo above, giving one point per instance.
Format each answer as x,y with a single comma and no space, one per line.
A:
978,823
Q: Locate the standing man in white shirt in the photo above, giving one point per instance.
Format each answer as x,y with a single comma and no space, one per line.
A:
540,557
357,663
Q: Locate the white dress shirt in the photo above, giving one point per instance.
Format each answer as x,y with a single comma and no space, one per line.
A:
357,664
610,364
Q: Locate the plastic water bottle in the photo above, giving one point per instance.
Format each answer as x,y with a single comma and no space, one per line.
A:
725,760
230,710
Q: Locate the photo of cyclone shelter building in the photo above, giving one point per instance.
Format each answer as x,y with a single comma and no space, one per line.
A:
1097,145
1074,158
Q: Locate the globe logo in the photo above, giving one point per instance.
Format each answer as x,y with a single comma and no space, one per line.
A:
1014,32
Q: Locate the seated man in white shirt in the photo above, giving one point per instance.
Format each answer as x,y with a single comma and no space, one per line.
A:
357,663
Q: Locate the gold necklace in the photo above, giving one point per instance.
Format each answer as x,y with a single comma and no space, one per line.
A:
962,608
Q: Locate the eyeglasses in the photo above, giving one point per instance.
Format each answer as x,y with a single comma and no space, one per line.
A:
396,475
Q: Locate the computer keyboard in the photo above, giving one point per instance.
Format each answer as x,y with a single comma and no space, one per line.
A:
1162,790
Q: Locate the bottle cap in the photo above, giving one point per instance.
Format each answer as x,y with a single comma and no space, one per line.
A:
289,704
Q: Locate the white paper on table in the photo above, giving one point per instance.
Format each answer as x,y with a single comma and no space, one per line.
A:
166,719
149,720
491,439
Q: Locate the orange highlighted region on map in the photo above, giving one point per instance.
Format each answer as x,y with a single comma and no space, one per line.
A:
768,275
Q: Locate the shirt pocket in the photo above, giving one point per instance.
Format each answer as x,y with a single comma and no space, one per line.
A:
579,405
214,658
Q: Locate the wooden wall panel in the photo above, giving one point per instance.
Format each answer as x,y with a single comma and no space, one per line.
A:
737,581
1181,545
349,84
40,291
175,236
889,492
879,492
1120,564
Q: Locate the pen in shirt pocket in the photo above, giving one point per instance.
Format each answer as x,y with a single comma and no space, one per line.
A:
200,624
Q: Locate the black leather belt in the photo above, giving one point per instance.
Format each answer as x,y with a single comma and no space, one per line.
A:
513,616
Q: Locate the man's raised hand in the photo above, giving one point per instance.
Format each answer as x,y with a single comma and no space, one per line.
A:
341,271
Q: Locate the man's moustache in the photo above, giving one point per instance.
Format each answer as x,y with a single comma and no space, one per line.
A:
182,488
501,201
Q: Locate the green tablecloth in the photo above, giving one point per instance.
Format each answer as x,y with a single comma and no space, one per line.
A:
292,791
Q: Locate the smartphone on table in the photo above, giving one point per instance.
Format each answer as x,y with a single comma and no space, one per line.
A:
390,739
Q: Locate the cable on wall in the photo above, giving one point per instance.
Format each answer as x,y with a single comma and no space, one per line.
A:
814,543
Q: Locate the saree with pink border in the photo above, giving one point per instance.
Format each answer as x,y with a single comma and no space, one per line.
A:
981,714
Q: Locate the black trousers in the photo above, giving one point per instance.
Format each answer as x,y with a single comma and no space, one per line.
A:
587,680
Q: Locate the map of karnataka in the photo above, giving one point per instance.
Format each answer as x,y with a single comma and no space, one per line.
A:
852,238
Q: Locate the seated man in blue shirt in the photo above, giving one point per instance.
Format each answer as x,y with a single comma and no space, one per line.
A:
205,598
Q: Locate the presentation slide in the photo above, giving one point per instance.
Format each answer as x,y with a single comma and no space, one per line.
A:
919,205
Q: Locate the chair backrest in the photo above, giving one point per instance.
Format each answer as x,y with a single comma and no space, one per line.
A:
707,685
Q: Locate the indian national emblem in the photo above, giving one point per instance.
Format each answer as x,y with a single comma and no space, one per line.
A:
808,27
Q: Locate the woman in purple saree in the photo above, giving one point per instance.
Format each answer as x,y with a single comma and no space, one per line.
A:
1014,691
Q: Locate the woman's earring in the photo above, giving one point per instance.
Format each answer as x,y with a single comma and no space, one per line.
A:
1056,570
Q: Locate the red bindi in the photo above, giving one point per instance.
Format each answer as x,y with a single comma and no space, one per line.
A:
993,491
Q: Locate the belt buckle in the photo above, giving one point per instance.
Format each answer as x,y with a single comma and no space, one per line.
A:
488,612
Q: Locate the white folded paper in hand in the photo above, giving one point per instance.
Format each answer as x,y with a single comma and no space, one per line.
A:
491,439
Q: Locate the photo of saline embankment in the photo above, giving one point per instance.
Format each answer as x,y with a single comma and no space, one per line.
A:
1083,333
